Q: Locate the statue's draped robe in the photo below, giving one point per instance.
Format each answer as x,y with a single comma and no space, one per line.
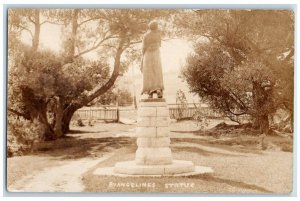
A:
151,64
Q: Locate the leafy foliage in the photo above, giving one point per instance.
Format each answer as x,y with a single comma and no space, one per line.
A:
239,61
22,135
49,87
121,96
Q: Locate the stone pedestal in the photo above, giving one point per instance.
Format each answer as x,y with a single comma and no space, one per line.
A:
153,156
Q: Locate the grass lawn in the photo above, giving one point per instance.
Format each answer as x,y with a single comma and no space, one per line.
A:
237,169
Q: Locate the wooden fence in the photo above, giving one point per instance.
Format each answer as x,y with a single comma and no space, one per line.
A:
185,113
97,113
114,113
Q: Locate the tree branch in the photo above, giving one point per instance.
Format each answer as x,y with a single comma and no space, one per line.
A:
236,114
231,112
85,21
26,116
50,22
135,42
110,46
30,19
232,119
94,47
97,91
26,29
237,100
211,37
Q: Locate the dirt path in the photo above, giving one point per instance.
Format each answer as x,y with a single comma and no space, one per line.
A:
63,178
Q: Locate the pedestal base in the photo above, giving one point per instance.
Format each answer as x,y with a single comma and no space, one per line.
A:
176,167
153,156
130,169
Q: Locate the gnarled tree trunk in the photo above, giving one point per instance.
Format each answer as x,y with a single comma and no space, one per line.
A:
58,117
67,116
261,114
261,122
62,124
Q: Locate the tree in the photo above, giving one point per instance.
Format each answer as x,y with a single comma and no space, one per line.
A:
27,20
181,104
243,61
50,87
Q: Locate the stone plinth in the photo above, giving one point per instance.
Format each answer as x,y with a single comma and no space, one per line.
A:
153,147
176,167
154,156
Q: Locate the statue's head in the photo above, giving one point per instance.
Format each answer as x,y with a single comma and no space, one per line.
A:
153,26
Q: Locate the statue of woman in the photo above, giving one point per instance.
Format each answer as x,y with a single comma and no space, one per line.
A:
151,62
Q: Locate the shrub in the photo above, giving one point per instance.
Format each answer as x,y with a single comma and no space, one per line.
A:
201,118
22,134
287,147
91,122
80,123
182,106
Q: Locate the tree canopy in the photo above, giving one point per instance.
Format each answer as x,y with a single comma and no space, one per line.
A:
242,61
50,86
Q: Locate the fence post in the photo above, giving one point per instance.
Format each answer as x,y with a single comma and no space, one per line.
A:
118,112
91,115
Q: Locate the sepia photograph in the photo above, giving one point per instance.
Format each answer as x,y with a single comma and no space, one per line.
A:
144,100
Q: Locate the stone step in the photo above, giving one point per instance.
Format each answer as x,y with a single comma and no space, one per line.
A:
153,156
176,167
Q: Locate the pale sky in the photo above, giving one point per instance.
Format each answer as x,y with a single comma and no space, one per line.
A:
173,52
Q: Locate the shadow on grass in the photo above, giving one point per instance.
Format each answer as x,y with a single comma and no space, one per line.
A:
190,132
231,146
84,132
239,184
77,148
202,152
